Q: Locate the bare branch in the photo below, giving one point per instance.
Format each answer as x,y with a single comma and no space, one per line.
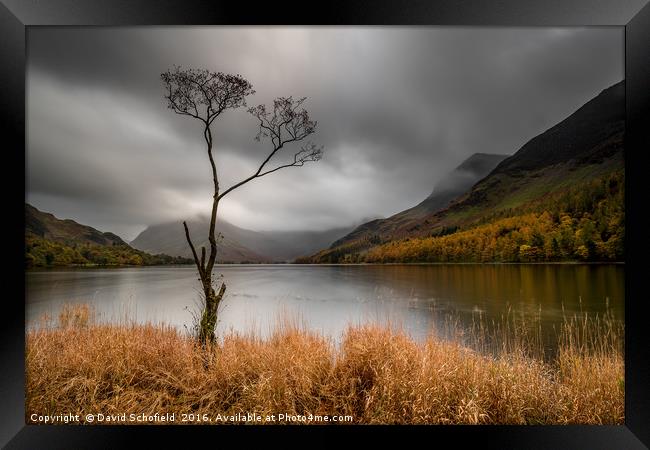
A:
307,154
196,258
204,95
187,89
289,117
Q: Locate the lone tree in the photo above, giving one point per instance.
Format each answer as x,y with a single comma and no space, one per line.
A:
204,95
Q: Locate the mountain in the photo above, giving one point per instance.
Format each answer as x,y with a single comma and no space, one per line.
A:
559,197
289,245
586,145
588,136
169,238
50,241
456,183
237,244
46,226
451,186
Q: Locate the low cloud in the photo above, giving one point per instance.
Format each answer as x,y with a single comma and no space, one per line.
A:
397,107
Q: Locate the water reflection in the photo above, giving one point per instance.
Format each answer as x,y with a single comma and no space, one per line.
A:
328,298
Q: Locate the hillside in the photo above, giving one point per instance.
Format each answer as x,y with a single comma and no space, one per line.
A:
66,231
450,187
574,172
169,238
289,245
50,241
237,244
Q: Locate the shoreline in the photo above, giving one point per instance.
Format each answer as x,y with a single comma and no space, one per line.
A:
376,376
539,263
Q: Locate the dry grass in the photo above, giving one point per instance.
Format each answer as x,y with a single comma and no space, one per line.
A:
376,375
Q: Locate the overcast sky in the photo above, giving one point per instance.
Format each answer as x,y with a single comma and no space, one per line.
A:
397,108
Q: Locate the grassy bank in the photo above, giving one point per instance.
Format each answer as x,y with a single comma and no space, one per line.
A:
376,375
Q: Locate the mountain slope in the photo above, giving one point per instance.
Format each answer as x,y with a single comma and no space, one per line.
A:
582,138
66,231
237,244
586,145
451,186
50,241
169,238
583,149
288,245
457,183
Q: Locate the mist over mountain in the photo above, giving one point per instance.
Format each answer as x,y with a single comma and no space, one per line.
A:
585,137
561,170
236,244
585,145
447,189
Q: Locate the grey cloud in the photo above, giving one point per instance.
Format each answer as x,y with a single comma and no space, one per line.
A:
397,107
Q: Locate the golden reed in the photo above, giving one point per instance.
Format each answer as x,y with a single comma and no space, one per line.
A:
376,375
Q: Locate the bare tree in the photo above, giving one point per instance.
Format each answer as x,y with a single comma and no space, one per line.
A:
204,95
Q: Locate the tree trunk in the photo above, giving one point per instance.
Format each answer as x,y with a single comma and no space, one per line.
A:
209,316
212,299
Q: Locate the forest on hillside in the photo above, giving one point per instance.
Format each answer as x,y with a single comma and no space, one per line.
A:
40,252
583,223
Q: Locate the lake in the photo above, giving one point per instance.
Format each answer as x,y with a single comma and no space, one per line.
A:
329,297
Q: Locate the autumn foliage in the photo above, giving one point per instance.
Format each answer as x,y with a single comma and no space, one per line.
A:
41,252
376,374
583,223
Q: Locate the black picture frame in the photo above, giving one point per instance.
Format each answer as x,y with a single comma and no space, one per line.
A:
634,15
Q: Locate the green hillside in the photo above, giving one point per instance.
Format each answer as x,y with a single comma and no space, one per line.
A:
454,184
566,181
54,242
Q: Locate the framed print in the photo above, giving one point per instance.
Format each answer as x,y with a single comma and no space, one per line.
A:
380,219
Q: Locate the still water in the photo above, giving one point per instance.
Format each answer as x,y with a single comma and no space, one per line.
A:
328,298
